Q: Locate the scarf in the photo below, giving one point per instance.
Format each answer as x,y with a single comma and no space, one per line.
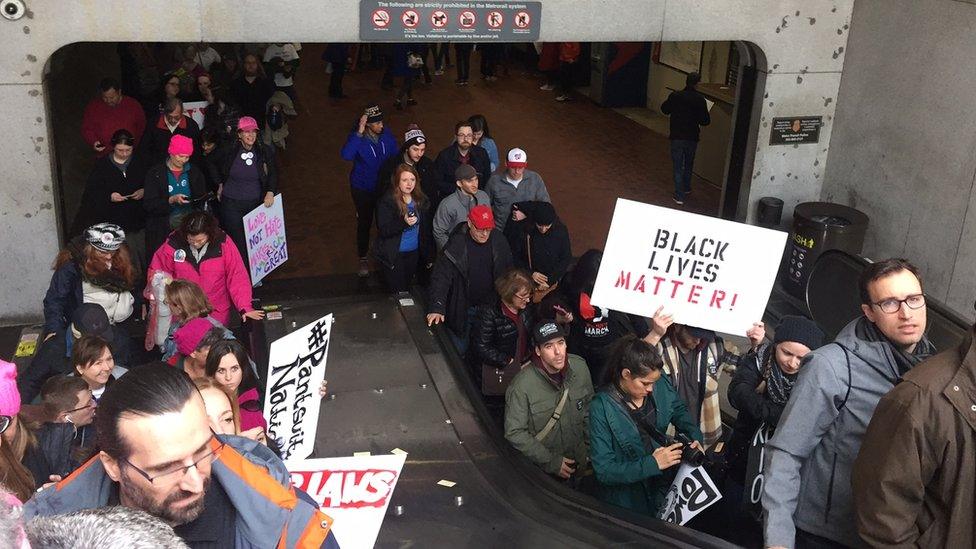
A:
904,361
778,384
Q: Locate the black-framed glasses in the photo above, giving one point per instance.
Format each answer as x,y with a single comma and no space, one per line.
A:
5,422
91,404
892,306
177,474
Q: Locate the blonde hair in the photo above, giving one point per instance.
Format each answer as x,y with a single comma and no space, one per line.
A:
211,383
189,298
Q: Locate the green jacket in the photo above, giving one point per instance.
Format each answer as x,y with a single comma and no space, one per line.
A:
628,475
531,399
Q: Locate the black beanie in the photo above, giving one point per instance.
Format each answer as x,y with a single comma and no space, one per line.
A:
799,329
544,214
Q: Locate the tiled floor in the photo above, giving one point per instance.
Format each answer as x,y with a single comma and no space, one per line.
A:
587,155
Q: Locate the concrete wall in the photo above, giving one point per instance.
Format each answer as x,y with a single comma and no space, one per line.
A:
804,47
904,143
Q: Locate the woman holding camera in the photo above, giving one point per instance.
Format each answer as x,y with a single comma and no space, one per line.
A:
629,450
404,222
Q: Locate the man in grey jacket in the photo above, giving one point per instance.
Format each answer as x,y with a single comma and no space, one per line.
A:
807,491
515,184
454,209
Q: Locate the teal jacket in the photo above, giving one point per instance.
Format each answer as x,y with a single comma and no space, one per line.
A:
628,474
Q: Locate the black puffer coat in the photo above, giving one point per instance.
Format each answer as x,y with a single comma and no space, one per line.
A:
495,336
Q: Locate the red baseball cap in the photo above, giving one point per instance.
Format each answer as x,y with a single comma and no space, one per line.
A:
481,217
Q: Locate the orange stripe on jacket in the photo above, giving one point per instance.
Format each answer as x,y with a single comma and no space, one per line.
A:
74,474
256,477
315,531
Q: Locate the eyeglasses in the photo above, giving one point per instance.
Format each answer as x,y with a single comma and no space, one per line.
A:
892,306
5,422
91,404
172,477
523,297
465,136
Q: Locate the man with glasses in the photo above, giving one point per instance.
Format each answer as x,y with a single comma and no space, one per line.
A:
807,493
159,455
464,275
462,151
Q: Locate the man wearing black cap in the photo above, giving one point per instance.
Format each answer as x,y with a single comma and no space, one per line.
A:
547,405
54,354
694,359
543,248
453,210
462,151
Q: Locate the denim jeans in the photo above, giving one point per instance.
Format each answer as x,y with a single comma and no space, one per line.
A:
462,340
683,160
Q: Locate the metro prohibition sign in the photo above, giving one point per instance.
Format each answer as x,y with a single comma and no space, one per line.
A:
468,19
410,19
495,19
438,19
381,19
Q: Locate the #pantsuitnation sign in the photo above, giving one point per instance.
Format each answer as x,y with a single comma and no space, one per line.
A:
264,231
353,491
707,272
296,368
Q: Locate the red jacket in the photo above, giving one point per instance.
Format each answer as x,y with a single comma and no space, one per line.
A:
100,121
221,273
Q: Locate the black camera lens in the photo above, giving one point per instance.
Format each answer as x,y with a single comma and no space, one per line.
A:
10,8
689,454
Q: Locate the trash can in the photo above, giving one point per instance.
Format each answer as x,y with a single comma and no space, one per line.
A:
770,212
818,227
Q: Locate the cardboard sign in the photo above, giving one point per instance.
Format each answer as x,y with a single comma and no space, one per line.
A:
707,272
197,110
264,232
296,368
354,491
691,493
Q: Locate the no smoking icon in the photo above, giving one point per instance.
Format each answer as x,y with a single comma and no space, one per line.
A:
410,19
438,19
495,19
381,18
468,19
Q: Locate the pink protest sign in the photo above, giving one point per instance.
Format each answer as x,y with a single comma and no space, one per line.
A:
264,231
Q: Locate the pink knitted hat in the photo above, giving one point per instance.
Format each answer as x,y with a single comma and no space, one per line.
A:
9,395
180,144
189,335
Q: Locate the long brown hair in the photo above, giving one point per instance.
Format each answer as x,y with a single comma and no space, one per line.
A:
13,475
95,267
211,383
24,438
417,195
189,298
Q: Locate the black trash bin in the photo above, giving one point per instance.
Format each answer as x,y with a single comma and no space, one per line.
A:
818,227
770,212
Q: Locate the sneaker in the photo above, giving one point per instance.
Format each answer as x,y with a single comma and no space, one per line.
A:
562,98
363,268
547,87
677,200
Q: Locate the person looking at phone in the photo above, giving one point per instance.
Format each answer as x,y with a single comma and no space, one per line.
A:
200,252
403,220
628,419
173,189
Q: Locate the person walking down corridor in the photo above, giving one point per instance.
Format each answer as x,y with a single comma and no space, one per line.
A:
369,145
688,112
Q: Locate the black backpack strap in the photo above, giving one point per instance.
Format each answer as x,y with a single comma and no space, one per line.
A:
847,359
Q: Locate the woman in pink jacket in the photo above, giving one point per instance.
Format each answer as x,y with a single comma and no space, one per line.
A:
200,252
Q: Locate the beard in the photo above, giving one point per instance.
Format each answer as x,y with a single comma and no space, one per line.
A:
137,498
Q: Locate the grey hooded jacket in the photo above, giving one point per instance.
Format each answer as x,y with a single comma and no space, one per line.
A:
452,211
503,194
808,461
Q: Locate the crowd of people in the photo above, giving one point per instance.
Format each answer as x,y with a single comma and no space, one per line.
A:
608,403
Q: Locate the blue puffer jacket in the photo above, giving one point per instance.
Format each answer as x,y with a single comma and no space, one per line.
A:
367,157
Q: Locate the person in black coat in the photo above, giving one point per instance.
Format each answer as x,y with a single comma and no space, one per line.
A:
464,275
503,328
336,54
113,194
543,247
173,121
450,158
167,199
404,222
412,154
688,111
252,90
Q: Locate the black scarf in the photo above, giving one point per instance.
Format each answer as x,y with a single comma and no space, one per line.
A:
108,280
904,361
778,384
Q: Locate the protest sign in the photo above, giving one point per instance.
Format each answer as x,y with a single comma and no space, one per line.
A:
691,493
353,491
196,110
296,368
707,272
264,232
751,502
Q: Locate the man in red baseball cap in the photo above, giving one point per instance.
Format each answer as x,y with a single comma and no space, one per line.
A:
464,275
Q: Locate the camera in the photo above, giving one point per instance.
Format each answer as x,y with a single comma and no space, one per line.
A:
689,454
12,9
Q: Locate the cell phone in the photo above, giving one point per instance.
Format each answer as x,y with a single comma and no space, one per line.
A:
411,214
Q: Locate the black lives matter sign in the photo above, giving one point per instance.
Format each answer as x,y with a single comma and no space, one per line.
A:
797,130
391,21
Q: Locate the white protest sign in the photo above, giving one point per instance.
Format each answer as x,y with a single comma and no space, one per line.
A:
264,233
691,493
707,272
296,368
353,491
197,110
